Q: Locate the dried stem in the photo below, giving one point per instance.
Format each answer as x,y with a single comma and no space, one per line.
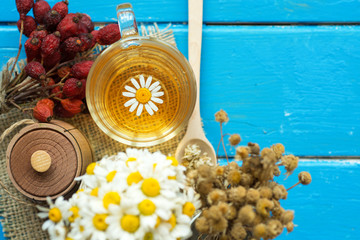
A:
20,46
293,186
63,79
223,144
217,150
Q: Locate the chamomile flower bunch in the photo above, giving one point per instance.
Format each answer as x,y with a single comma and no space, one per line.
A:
132,195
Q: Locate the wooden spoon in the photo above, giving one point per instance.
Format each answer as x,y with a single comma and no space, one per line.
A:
195,133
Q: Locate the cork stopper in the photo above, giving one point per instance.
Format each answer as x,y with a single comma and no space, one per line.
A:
40,161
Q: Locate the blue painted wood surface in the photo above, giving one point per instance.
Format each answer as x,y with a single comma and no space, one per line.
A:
216,10
298,85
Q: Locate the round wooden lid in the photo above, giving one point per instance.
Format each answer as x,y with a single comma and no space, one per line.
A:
43,160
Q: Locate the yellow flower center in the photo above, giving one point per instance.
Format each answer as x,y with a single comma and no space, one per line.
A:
90,168
111,198
143,95
172,221
174,161
150,187
82,228
130,223
68,238
94,192
99,221
148,236
134,177
130,159
110,176
189,209
75,213
158,221
147,207
172,177
80,190
55,215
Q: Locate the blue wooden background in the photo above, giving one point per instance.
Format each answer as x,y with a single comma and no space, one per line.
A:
285,71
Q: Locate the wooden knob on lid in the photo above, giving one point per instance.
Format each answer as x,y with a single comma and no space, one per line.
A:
40,161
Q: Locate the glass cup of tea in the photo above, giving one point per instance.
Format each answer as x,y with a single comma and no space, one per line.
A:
140,91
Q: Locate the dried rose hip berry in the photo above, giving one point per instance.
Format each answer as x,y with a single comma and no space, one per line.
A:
95,34
47,102
81,70
24,6
40,32
62,8
72,87
63,71
43,113
68,27
48,82
73,106
35,70
82,94
29,25
85,23
71,45
57,92
61,112
51,19
108,34
41,7
50,44
88,41
32,49
51,60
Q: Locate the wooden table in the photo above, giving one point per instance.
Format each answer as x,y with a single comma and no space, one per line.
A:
285,71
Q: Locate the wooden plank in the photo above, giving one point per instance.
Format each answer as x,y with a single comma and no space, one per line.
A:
295,85
216,10
327,208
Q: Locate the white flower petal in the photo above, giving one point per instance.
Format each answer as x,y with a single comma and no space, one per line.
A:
142,81
135,83
130,102
128,94
157,94
153,106
139,110
133,107
156,89
148,82
154,85
148,109
130,89
157,100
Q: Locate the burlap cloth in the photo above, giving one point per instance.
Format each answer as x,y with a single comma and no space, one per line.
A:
20,221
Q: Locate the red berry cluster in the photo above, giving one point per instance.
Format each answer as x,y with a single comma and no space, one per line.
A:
57,36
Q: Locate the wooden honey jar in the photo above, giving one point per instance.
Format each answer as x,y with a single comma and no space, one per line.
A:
43,159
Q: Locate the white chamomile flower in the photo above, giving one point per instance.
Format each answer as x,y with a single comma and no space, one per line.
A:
89,179
191,202
56,213
77,229
123,225
143,95
94,222
108,171
179,224
58,232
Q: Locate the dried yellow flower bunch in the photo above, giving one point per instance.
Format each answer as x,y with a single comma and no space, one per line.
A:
242,201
